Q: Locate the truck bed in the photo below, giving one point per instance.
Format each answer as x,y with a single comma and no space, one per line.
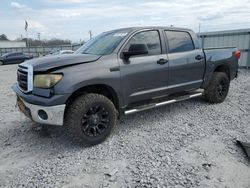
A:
222,57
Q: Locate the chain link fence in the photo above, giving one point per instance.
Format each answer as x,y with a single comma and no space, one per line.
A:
39,50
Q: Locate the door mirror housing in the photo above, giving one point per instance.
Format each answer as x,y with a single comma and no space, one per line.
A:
135,49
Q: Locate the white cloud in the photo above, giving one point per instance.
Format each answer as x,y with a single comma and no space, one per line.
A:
68,1
20,7
73,18
101,16
35,26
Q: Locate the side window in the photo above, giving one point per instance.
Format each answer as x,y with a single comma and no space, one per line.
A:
12,55
179,41
19,54
15,54
150,39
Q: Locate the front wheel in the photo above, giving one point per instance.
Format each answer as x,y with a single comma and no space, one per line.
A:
1,63
90,119
218,87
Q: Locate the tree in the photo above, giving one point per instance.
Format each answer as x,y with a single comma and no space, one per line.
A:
3,37
51,42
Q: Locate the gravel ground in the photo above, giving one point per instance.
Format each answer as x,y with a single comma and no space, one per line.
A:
187,144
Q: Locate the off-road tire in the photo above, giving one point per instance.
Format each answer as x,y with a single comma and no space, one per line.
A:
75,115
218,88
1,63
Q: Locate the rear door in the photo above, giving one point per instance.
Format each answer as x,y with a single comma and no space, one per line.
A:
20,57
186,62
144,76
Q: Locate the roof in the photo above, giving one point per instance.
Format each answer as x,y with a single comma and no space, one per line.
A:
12,44
150,27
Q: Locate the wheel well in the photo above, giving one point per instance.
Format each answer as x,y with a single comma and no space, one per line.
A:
223,68
101,89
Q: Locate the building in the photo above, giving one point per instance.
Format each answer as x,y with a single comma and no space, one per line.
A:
12,44
236,38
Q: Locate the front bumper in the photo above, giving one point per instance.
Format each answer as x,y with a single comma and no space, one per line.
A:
55,100
52,115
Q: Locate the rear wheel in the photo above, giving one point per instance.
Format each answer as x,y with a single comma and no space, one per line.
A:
1,63
217,90
90,119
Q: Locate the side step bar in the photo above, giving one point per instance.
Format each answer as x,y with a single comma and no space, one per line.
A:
154,105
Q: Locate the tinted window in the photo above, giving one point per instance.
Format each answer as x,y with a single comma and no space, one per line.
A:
12,55
179,41
150,38
15,54
56,53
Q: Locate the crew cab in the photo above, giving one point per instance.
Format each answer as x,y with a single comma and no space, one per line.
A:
121,72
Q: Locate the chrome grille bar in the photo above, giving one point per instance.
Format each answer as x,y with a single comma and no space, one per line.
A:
25,77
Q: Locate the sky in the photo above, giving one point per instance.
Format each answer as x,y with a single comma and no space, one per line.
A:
72,19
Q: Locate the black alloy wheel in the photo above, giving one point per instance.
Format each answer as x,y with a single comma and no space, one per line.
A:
90,118
95,121
222,88
218,88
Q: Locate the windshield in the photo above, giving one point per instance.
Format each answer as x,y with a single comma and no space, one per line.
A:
104,43
6,54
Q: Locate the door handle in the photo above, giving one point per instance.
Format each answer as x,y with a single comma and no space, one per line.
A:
162,61
199,57
112,69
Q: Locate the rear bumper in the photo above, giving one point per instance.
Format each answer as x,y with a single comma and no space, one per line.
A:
52,115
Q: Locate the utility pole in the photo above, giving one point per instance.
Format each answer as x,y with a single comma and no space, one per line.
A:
90,34
39,38
27,39
199,27
27,34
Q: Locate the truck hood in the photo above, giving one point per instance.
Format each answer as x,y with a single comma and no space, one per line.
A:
44,64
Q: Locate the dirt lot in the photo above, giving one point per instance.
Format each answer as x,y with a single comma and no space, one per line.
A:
188,144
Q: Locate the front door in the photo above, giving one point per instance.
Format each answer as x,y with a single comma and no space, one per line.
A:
144,76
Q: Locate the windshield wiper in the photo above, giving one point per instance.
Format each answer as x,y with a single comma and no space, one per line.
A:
87,53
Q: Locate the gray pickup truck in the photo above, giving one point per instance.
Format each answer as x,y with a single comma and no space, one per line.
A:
120,72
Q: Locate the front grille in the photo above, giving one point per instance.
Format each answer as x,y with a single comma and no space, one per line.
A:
22,78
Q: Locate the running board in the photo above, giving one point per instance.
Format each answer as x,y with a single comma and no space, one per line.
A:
154,105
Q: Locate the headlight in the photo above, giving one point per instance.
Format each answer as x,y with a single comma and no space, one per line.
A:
46,80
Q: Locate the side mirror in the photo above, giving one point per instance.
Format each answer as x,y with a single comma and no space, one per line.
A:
135,49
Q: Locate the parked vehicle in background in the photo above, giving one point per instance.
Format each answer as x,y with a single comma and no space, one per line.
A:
14,58
61,52
122,72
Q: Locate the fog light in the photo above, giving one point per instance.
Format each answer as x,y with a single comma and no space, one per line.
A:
42,114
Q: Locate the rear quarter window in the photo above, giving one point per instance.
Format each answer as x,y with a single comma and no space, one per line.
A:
179,41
